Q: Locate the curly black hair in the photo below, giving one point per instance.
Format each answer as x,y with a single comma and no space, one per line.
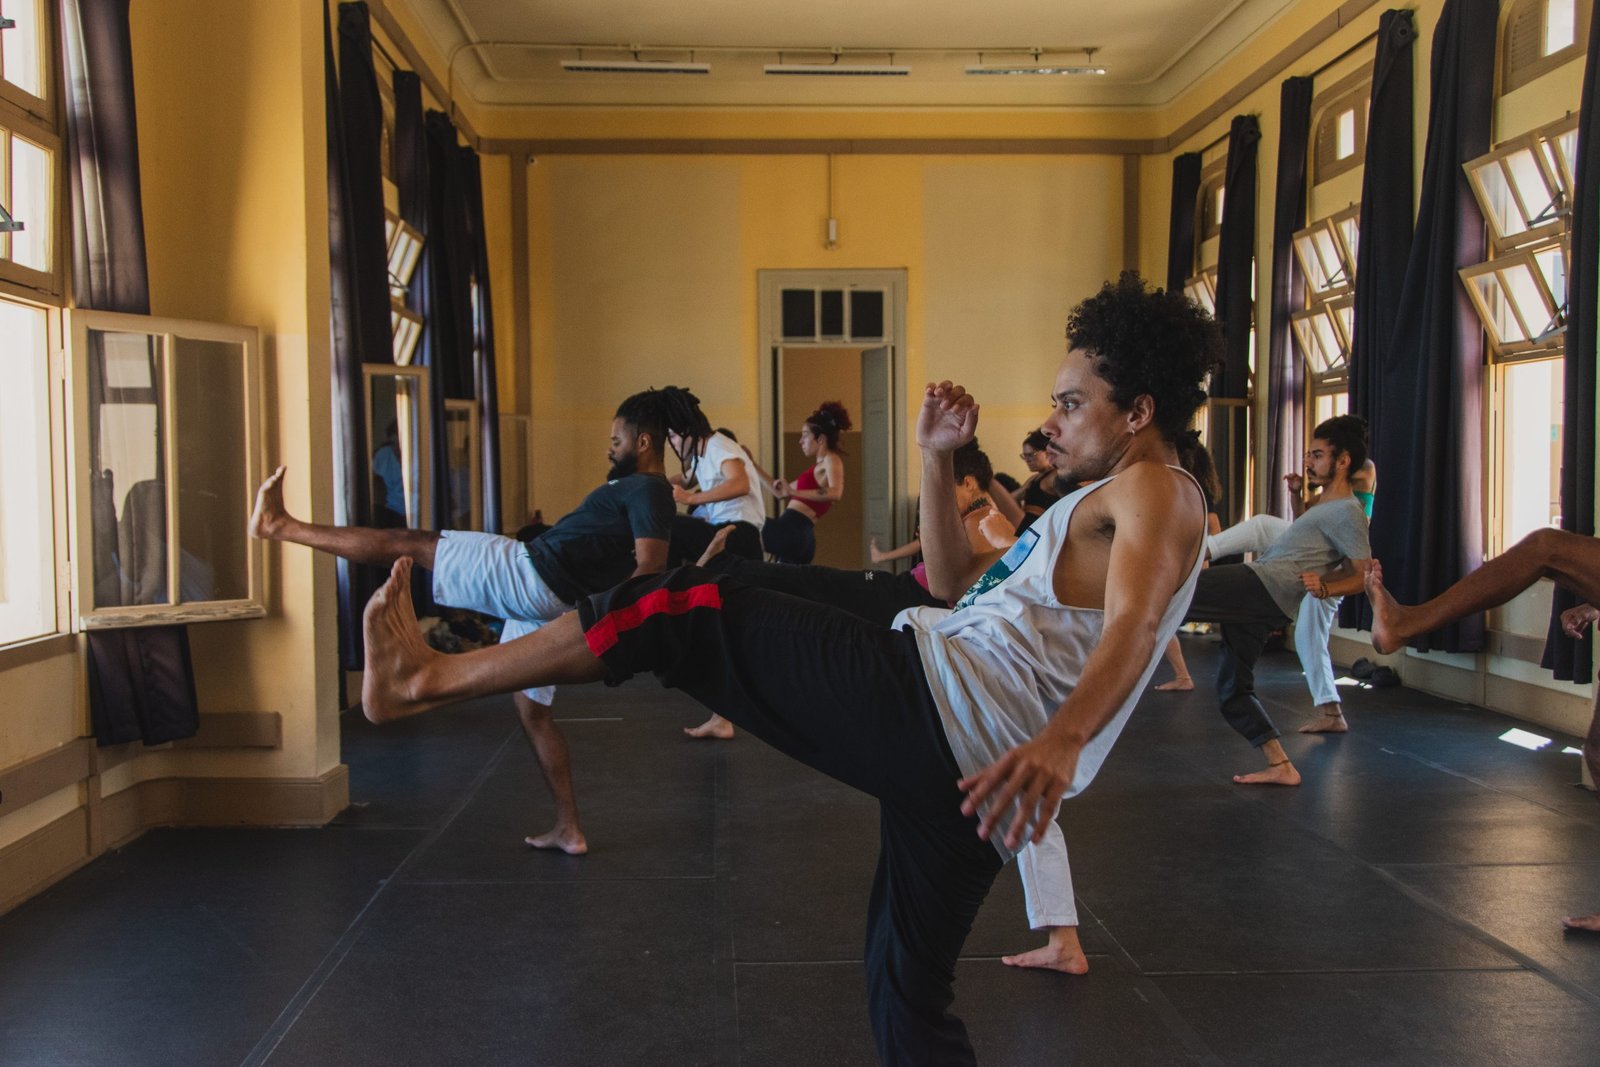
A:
1347,434
828,422
971,460
669,409
1148,342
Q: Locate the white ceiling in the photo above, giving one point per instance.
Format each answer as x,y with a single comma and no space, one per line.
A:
1152,49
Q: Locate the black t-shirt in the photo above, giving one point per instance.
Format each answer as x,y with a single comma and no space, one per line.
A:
591,549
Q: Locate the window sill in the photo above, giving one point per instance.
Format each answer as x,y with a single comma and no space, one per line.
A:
126,618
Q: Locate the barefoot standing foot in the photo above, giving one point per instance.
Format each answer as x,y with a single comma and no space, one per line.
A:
396,655
1590,923
1275,774
1327,724
714,549
269,512
715,728
1177,685
568,839
1064,953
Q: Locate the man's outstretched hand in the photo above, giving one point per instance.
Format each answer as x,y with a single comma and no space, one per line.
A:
949,417
1036,775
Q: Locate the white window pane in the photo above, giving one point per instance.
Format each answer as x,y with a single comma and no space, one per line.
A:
1346,142
1560,25
1502,321
1523,287
1531,448
1350,231
20,46
1503,214
30,204
1537,197
1328,255
128,510
209,388
27,554
1553,267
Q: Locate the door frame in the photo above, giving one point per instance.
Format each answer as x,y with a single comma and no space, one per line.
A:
770,284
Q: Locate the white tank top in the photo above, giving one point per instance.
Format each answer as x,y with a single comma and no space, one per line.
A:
1002,661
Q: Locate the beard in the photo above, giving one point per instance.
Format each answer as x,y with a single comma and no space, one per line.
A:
623,466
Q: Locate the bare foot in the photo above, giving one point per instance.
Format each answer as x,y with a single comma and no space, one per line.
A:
1275,774
568,839
1387,613
397,657
714,549
1583,922
1177,685
1331,722
1064,953
269,514
715,728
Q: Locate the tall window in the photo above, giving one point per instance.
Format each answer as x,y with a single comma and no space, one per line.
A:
1326,251
30,150
1524,187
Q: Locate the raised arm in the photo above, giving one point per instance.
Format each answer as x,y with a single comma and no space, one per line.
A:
1155,540
1005,503
949,419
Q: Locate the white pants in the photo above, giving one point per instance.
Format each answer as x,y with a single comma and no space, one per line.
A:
494,575
1314,622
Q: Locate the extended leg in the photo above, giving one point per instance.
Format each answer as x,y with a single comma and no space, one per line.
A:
550,748
271,521
1571,560
1311,631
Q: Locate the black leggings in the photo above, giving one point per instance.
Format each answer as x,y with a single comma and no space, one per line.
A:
1232,594
851,700
876,596
791,537
691,537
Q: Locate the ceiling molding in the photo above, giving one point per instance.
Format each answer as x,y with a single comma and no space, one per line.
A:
914,146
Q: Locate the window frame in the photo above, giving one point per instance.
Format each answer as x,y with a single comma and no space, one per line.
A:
1545,343
1513,77
474,459
1557,179
424,442
42,108
1202,289
87,616
38,120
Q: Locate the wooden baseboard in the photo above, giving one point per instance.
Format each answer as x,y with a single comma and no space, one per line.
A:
35,863
223,802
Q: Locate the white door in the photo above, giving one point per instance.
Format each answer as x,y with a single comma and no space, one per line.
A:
877,446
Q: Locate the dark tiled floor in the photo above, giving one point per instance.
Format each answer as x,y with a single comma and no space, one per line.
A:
1399,908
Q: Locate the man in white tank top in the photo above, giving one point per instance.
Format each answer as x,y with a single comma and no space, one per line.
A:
1058,638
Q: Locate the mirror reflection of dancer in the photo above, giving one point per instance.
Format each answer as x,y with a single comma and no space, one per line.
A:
792,536
619,530
1019,694
1570,560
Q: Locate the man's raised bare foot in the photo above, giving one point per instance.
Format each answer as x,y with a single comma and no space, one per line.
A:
714,549
715,728
1177,685
1329,722
1590,923
568,839
269,513
396,655
1275,774
1064,953
1387,613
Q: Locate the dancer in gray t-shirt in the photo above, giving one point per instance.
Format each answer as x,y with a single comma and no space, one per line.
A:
1325,550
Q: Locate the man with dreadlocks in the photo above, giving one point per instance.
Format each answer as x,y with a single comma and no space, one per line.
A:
719,483
619,531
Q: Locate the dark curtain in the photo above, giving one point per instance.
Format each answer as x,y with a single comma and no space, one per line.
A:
483,365
1386,222
1427,519
1286,376
1229,439
366,253
352,497
141,680
1574,660
447,337
1180,235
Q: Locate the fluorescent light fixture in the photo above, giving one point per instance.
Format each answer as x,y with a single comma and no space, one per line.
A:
839,70
1523,739
1036,70
1570,751
631,66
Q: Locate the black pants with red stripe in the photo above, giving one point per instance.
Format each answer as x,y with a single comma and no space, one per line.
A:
849,699
876,596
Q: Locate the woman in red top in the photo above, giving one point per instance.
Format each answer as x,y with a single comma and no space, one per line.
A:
791,537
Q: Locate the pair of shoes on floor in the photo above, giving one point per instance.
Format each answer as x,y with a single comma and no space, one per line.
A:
1374,675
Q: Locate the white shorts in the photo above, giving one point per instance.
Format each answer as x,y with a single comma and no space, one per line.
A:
494,575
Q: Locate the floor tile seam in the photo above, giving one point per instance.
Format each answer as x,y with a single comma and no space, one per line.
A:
1246,972
727,1048
1464,865
585,880
1171,1018
335,957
